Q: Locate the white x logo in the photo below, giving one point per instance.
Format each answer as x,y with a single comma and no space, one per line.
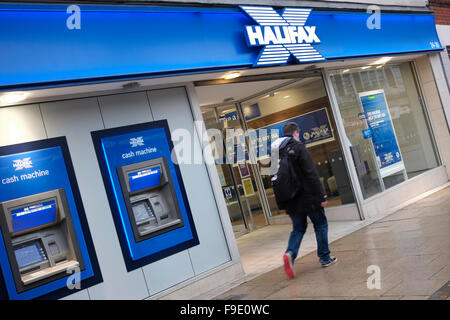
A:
285,32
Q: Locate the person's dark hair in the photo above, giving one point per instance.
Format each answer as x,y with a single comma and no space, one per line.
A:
289,128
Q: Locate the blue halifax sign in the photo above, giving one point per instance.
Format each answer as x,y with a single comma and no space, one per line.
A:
126,42
282,35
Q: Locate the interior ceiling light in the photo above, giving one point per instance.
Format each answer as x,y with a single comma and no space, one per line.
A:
382,60
231,75
366,67
346,70
226,111
229,99
13,97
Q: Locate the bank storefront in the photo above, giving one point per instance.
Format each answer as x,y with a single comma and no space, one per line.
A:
117,88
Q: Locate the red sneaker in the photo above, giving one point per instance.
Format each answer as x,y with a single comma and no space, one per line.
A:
288,265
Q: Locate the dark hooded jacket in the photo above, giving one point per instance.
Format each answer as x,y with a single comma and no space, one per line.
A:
312,194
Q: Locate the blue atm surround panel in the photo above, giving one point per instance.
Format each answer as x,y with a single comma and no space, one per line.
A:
146,192
45,242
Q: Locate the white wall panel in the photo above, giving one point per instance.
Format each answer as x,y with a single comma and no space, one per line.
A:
124,109
172,104
167,272
21,124
80,295
76,119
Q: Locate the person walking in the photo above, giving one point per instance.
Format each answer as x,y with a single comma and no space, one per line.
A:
307,198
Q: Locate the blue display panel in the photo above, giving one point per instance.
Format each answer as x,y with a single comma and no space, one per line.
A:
155,41
315,128
31,168
144,179
382,133
33,216
134,144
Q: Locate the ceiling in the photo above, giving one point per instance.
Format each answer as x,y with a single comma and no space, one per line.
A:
207,95
216,94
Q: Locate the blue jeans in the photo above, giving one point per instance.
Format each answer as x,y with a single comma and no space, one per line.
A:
299,224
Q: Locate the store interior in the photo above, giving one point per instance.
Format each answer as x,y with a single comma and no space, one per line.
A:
277,101
269,104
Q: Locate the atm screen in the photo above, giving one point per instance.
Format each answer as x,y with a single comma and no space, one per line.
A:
33,215
146,178
28,255
142,211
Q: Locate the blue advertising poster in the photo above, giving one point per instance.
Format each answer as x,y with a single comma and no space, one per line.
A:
228,192
382,133
250,112
129,145
229,116
315,129
235,148
32,168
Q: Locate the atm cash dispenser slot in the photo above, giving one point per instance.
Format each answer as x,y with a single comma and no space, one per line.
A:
150,198
39,238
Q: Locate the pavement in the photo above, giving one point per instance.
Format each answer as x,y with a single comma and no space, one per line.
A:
402,256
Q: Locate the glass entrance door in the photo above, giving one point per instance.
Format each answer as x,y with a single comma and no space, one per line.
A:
247,126
306,103
237,176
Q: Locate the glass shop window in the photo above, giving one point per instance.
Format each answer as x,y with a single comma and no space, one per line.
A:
385,123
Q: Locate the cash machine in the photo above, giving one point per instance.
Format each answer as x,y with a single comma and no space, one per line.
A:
39,238
150,198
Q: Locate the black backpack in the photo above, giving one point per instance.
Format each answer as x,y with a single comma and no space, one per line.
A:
286,182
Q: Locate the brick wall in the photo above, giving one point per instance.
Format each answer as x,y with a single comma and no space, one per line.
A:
441,10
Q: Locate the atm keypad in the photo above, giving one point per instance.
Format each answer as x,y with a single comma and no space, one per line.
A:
143,212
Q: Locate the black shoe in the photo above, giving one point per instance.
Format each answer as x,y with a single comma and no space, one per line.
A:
329,262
